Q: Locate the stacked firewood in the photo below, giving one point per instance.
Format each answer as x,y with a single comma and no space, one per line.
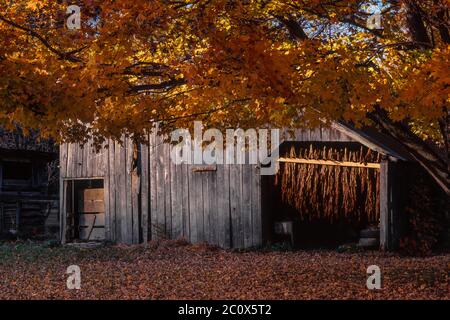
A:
332,193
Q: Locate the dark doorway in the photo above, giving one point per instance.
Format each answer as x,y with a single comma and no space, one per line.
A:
325,198
85,210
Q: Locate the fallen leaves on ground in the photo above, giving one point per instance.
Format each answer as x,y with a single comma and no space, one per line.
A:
174,270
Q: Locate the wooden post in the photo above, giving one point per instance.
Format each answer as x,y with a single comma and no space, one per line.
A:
62,210
388,206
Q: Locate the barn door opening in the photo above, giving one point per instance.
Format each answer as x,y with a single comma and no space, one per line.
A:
85,210
326,194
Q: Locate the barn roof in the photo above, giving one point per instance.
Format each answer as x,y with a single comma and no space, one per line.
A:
375,140
16,141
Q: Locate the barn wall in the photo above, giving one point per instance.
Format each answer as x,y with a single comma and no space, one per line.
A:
220,205
160,199
175,201
113,164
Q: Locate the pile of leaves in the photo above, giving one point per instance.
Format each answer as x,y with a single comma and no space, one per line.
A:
176,270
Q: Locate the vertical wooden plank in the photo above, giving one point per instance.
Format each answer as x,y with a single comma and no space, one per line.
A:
135,184
94,161
101,171
246,213
120,190
69,160
167,166
95,169
185,201
79,154
213,210
324,134
62,210
384,205
223,206
176,188
106,196
199,206
160,222
112,189
128,212
206,190
63,161
82,156
312,135
195,206
256,207
394,199
144,191
235,206
74,163
153,187
88,160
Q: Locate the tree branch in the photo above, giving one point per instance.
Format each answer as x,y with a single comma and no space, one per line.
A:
294,28
423,153
166,85
68,56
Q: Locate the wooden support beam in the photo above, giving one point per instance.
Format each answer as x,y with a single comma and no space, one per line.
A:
62,209
384,205
330,163
389,213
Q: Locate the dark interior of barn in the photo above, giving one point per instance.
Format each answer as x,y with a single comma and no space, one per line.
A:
315,204
85,210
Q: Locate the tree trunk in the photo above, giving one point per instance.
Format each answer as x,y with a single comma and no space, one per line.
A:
416,26
436,166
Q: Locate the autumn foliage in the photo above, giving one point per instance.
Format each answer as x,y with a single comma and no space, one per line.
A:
171,270
229,63
236,62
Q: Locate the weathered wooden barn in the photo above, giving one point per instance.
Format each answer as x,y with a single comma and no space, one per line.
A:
28,185
130,195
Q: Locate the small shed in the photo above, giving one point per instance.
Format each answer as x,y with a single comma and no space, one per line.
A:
130,194
28,185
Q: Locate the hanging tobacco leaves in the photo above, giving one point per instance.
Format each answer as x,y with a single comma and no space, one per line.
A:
331,193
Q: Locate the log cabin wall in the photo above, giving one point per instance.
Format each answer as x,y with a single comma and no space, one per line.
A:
153,198
28,200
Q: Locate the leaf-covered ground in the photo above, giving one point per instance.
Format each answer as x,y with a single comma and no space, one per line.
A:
173,270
